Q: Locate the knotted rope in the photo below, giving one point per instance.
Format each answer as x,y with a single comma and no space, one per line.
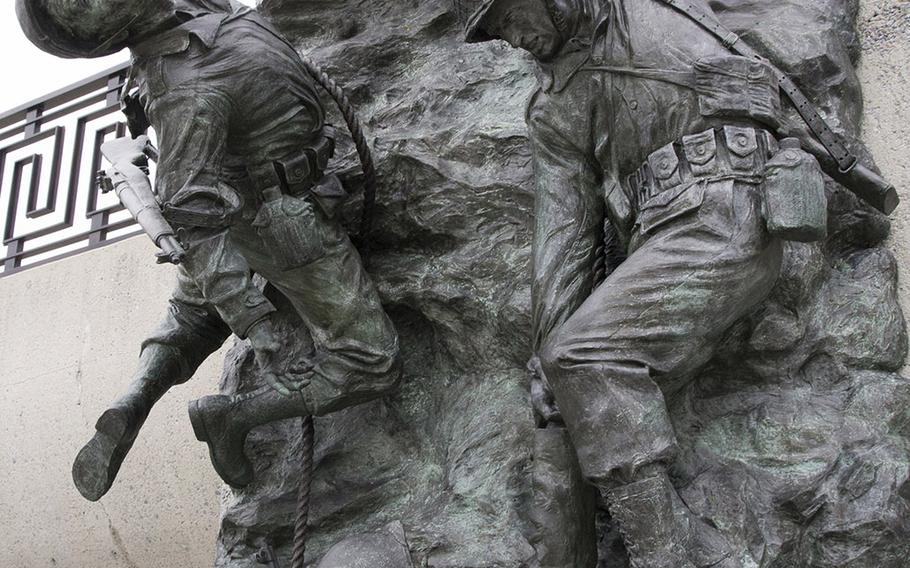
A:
303,500
360,141
369,199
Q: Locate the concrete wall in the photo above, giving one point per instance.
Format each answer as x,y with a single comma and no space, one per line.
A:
885,73
71,335
71,332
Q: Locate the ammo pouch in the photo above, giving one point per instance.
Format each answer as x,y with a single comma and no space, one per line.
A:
289,229
330,195
731,86
298,172
795,206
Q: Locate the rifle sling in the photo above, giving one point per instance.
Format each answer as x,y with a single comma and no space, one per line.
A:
845,159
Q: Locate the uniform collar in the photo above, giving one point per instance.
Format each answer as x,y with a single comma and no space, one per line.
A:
177,40
554,76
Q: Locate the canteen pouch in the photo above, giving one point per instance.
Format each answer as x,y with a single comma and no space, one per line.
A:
795,206
731,86
288,228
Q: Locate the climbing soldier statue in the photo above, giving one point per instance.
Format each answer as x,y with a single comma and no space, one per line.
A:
650,115
240,179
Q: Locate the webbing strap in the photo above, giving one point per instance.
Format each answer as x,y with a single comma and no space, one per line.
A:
829,139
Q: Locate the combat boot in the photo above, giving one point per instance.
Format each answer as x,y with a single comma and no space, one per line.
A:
97,464
660,531
223,423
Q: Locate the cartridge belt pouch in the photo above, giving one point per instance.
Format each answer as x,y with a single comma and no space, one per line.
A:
723,152
289,229
330,195
300,172
295,174
795,205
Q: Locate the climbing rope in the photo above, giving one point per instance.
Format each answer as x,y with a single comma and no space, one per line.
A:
369,200
303,500
360,141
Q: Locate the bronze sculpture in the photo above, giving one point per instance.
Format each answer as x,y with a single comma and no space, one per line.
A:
243,148
645,117
397,120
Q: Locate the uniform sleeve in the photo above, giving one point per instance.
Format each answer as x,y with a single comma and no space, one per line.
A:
569,208
192,127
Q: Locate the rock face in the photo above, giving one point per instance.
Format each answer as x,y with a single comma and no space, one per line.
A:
795,435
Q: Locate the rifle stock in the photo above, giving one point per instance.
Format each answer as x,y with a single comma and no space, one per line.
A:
865,183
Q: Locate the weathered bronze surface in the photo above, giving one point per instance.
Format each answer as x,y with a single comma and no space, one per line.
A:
650,117
243,150
714,329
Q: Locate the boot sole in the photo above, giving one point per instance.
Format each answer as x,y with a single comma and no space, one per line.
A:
97,463
202,434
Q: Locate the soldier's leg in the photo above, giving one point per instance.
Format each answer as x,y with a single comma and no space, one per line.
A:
188,334
357,348
356,343
657,318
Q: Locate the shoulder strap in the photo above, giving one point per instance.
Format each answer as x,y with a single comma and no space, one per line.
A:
833,143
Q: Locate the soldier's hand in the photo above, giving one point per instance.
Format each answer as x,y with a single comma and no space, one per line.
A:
282,374
546,410
287,378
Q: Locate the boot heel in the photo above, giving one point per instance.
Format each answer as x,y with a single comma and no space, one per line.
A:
198,422
97,463
210,417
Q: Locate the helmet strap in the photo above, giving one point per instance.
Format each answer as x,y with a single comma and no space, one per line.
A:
117,36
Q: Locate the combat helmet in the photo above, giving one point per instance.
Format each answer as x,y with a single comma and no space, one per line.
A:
566,15
87,29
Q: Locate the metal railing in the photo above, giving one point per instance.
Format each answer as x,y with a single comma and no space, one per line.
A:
50,202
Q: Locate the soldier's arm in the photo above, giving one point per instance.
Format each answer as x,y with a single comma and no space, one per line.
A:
569,209
569,215
192,137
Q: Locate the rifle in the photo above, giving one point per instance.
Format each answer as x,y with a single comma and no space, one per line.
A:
834,157
128,177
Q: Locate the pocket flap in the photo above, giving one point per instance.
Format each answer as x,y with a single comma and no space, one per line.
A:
741,141
664,162
700,148
659,212
294,207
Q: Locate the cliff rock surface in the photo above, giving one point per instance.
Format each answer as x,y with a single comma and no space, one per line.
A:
795,435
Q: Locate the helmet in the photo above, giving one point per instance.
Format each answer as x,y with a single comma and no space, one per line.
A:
93,28
567,16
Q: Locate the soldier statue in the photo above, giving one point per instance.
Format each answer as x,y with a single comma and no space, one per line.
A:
647,118
243,150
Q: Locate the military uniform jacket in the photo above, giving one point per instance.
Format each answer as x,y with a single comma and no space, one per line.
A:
227,96
647,77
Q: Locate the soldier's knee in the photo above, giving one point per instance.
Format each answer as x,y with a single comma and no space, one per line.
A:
555,354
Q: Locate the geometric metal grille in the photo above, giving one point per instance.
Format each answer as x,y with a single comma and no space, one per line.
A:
50,150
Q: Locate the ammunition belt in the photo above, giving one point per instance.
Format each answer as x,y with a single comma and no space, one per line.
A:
723,152
295,174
